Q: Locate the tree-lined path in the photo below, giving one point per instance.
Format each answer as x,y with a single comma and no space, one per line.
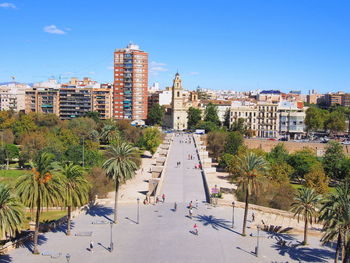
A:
183,183
163,235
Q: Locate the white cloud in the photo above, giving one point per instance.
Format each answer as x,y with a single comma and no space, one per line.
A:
157,67
110,67
92,73
53,30
7,5
193,73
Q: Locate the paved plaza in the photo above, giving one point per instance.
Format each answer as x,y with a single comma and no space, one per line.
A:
164,235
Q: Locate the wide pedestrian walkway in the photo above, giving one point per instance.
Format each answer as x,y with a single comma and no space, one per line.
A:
183,183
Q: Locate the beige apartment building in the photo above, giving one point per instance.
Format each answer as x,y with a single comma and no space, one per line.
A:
70,102
12,96
42,100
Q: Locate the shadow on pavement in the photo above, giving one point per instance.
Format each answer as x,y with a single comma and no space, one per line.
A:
100,210
30,244
215,223
5,259
304,254
106,248
131,220
246,251
63,228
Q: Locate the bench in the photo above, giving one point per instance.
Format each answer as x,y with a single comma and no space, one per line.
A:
51,254
84,234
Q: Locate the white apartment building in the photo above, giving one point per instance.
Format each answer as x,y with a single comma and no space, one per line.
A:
12,96
271,120
165,97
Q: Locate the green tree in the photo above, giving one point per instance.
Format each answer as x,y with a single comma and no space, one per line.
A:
194,116
345,167
40,189
336,122
317,179
305,207
150,139
280,172
233,141
95,115
335,215
156,115
9,151
227,118
11,212
302,161
333,160
279,153
250,168
120,167
76,187
82,127
23,125
315,119
216,143
239,126
211,114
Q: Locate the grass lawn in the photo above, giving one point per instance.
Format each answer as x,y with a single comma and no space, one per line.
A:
44,216
9,176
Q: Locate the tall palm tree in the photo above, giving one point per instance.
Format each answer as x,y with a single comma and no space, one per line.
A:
249,168
11,212
120,166
335,215
305,207
40,189
76,189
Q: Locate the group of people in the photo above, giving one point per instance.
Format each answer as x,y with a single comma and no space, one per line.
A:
190,157
178,164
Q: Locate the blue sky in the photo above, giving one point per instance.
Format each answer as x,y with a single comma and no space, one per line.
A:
238,45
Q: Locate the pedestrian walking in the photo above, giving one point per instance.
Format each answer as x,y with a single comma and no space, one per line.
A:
157,200
190,212
253,217
190,205
163,198
195,227
91,247
197,203
175,206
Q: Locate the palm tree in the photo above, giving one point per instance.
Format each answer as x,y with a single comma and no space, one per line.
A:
305,207
76,189
335,214
250,166
40,189
11,212
120,166
110,133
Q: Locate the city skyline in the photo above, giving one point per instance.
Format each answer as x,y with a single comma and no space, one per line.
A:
240,47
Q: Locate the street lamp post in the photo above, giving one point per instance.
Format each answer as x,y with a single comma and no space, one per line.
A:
233,214
257,242
68,257
138,210
111,243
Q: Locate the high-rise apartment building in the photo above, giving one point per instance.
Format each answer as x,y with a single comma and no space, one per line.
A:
130,83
